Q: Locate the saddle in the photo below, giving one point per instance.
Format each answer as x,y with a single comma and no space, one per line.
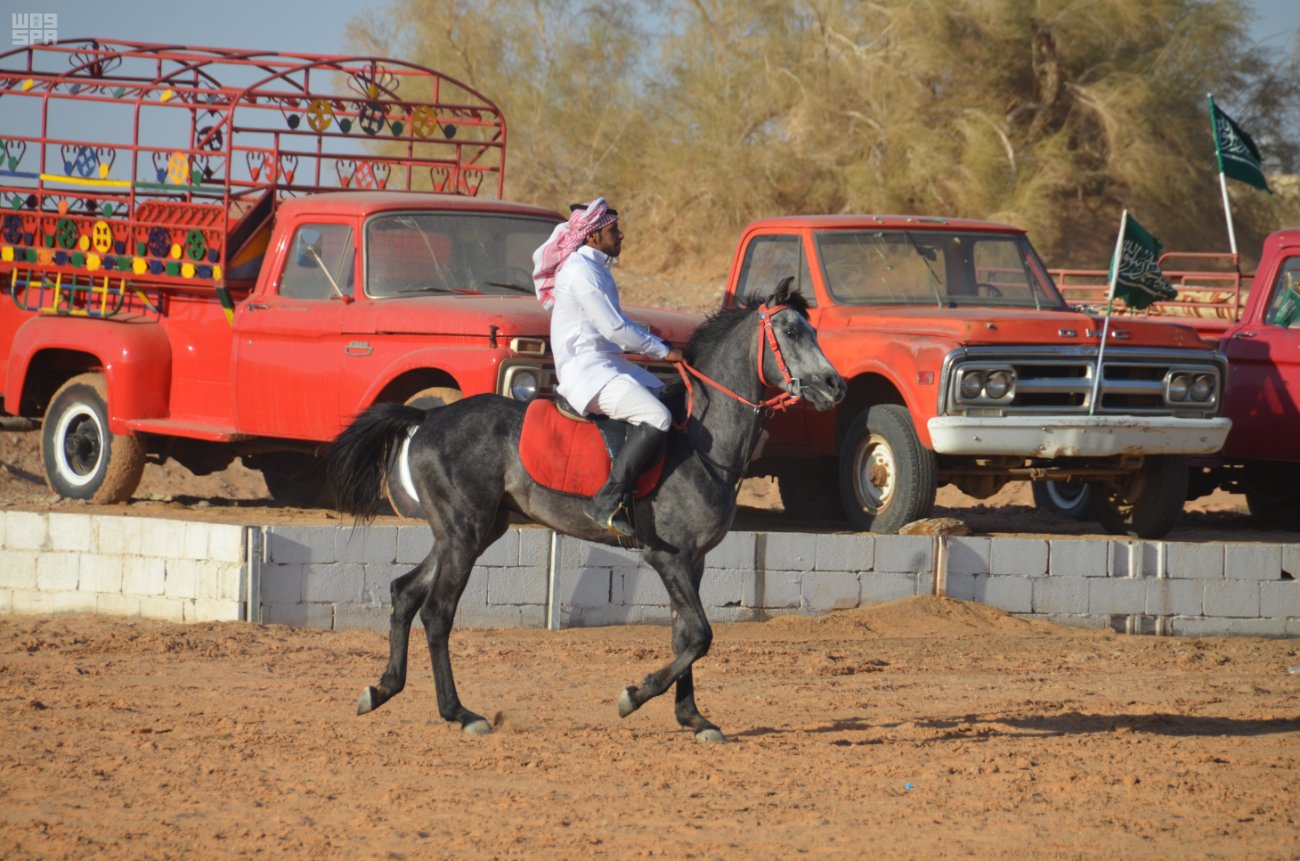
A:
564,451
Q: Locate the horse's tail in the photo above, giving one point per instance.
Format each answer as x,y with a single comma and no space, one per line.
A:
357,462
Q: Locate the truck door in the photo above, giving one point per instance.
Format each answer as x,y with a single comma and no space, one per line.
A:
290,338
1263,389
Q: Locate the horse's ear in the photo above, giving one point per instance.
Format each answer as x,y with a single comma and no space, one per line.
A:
782,293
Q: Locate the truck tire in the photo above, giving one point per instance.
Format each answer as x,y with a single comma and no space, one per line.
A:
809,491
1147,503
401,501
82,458
887,478
1069,499
296,479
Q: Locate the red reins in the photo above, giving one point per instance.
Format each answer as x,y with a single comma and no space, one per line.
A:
780,401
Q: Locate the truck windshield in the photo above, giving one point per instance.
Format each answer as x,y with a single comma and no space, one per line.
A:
452,253
937,268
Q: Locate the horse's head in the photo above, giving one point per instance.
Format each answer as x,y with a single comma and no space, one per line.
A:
794,362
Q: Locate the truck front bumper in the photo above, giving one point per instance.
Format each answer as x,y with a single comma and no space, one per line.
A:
1076,436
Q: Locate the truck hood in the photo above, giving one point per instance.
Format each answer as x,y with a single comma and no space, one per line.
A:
971,326
510,315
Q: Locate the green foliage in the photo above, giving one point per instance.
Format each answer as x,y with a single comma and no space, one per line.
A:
697,116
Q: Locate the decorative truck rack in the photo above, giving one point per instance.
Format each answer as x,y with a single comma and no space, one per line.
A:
175,186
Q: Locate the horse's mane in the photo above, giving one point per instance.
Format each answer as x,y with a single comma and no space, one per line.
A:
713,332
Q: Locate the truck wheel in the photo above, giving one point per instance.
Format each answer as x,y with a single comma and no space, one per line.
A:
809,491
82,458
1069,499
887,478
401,501
1147,503
295,479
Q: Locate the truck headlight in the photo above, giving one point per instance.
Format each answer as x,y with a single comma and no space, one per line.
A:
1179,384
523,385
1202,388
999,384
972,383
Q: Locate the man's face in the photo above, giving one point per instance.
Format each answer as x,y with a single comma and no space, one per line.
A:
608,240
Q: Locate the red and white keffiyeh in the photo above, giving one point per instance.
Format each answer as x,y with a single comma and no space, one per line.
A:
566,239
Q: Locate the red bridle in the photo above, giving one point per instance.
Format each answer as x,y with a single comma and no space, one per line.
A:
767,337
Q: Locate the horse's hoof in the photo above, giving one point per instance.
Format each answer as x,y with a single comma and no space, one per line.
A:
369,701
626,705
712,735
478,726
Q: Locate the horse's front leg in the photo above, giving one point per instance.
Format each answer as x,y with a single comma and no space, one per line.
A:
437,614
692,637
408,594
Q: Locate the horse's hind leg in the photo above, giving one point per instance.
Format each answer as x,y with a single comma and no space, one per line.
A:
437,614
408,593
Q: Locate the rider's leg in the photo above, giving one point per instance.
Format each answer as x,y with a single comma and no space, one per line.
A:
648,419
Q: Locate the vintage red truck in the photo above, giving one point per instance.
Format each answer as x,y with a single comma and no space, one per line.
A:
210,254
966,366
1255,322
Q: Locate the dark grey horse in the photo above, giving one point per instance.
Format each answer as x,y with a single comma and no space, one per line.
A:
464,462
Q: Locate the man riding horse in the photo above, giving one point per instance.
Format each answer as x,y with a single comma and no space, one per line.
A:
589,336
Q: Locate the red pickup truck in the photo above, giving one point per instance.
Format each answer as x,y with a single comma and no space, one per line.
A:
966,366
1255,323
256,263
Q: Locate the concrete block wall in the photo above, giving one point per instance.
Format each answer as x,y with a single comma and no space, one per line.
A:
177,570
339,577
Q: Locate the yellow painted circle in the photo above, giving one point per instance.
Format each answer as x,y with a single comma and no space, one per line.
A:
320,115
187,269
92,261
83,243
178,169
101,235
6,254
139,266
176,251
216,272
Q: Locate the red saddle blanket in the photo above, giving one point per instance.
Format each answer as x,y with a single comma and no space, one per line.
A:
570,456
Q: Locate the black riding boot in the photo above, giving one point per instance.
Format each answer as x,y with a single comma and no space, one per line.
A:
609,507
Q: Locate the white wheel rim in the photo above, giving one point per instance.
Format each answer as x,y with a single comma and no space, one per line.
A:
66,470
1064,500
877,474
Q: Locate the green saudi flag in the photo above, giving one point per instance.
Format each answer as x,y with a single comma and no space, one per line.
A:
1238,156
1135,274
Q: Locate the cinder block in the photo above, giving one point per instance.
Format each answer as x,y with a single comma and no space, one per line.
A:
218,580
101,574
117,536
317,616
354,617
725,615
377,584
282,584
212,610
475,593
1190,561
41,601
413,543
498,616
1252,561
18,569
1010,593
963,587
6,595
198,537
117,604
339,583
25,530
736,550
1166,597
727,587
144,576
1026,557
502,553
1116,596
300,545
228,542
880,587
365,544
534,546
166,609
182,578
516,586
853,553
643,586
968,555
834,590
69,532
585,587
576,553
788,551
1053,595
609,614
163,539
1210,626
1291,560
904,554
1135,559
1233,599
1072,557
778,589
1280,599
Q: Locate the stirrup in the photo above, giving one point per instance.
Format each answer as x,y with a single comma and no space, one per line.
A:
608,520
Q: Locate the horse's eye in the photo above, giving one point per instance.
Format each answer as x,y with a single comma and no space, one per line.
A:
791,332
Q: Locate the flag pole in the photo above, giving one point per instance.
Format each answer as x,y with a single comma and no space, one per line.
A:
1110,306
1223,184
1227,209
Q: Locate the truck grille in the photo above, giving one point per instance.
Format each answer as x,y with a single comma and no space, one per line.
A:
1061,381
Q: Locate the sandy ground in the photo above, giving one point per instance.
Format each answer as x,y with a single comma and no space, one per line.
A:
919,729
